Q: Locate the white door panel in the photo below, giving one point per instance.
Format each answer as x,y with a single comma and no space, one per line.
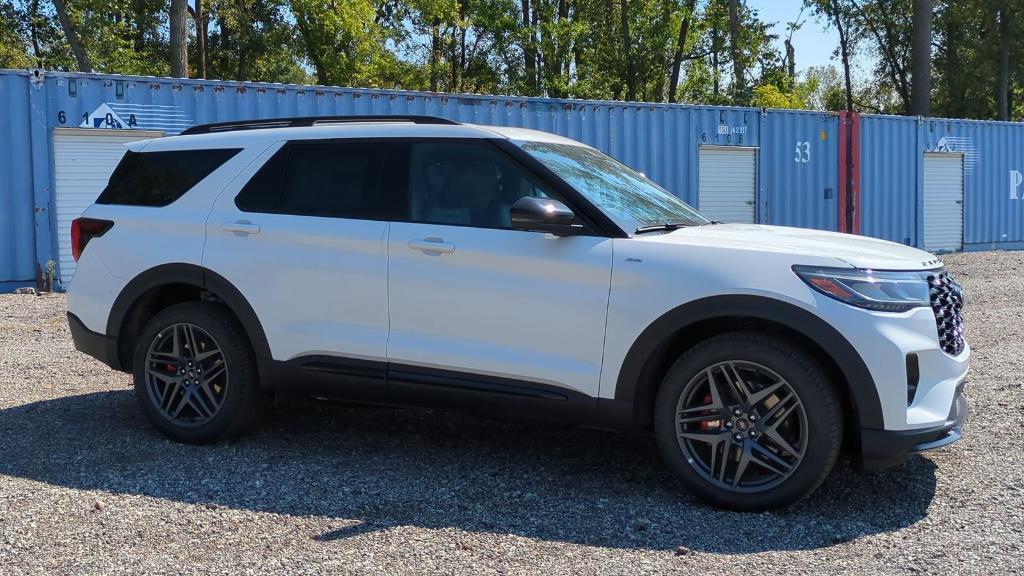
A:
318,285
943,202
506,303
727,180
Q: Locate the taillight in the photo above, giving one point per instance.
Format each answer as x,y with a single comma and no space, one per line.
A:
85,229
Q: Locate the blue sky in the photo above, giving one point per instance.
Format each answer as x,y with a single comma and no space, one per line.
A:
813,43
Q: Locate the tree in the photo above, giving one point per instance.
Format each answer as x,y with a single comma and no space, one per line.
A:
71,34
921,59
739,72
1003,76
179,39
681,42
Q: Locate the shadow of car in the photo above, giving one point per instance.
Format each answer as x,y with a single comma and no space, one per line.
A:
370,468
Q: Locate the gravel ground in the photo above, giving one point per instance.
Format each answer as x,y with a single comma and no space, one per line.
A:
87,487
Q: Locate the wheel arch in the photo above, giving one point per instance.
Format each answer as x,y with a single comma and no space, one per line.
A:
683,327
168,284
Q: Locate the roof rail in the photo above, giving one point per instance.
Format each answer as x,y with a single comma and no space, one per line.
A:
262,123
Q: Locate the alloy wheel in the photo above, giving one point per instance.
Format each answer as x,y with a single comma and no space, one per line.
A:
741,426
186,375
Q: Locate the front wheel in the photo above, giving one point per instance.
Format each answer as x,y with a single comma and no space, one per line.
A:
748,422
195,375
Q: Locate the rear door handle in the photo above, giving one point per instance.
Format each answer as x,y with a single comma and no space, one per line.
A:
243,227
434,245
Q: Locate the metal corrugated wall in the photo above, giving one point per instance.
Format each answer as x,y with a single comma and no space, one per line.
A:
798,153
993,197
800,167
892,178
17,230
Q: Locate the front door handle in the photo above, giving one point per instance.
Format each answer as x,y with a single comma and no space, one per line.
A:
432,245
243,227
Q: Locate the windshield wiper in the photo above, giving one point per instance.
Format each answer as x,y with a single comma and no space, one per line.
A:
666,227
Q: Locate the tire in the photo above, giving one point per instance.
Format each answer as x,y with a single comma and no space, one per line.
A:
782,446
176,397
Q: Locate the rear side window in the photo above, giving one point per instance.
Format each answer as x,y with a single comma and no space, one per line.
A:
331,179
159,178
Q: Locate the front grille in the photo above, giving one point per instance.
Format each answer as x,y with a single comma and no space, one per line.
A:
947,299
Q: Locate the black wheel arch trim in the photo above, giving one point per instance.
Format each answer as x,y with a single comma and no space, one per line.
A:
863,394
191,275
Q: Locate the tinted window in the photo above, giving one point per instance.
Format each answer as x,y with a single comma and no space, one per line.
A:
334,179
159,178
466,184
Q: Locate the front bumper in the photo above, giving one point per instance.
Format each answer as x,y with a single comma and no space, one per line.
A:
886,448
99,346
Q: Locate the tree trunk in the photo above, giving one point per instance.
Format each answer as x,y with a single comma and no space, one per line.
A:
844,53
627,47
179,39
529,51
790,60
77,48
921,58
244,31
435,53
201,37
715,64
677,56
739,74
1003,78
33,15
953,86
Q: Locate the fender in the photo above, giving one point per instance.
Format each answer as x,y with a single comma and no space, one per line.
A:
862,389
191,275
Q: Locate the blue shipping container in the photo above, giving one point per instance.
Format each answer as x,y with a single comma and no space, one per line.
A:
893,152
796,152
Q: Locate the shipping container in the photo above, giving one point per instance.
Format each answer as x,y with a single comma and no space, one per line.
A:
17,228
736,164
943,184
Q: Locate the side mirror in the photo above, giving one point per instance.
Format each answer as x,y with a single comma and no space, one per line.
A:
543,215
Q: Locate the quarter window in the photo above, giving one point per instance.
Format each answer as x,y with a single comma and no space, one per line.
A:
465,184
159,178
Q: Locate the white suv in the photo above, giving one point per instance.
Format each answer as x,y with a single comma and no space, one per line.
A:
509,273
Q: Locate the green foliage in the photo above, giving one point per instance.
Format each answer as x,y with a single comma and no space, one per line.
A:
606,49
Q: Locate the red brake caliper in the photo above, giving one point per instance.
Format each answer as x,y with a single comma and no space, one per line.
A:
704,425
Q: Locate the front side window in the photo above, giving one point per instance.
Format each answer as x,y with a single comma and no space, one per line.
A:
159,178
626,196
465,184
330,179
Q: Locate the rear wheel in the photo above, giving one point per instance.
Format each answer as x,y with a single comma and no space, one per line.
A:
195,375
748,422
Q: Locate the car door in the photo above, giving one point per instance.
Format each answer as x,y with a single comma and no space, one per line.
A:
304,240
480,312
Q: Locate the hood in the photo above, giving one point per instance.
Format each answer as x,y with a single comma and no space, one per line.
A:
858,251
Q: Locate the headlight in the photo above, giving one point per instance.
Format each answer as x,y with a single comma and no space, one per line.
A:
874,290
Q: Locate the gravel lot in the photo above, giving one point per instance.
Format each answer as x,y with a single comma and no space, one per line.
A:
87,487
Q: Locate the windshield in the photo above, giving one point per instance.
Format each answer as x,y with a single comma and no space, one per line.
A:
626,196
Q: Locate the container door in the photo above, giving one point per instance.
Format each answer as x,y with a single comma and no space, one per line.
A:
727,180
82,162
943,202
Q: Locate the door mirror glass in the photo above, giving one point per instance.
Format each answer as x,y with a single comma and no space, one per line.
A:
543,215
